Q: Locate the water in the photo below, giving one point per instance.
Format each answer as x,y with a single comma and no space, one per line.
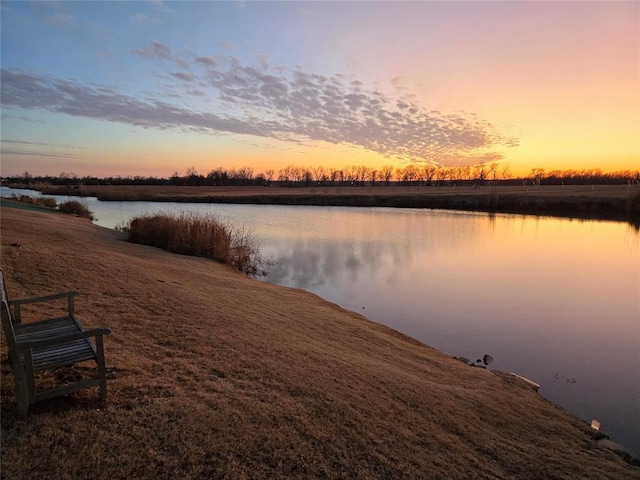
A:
554,300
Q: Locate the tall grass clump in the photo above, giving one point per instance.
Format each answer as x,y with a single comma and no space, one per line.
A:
75,207
47,202
198,235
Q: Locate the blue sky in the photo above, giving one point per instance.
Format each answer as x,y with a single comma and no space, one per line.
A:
151,87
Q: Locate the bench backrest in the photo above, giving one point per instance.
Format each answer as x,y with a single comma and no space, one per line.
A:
7,322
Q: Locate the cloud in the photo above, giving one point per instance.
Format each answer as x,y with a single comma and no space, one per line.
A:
209,61
338,110
187,77
158,50
57,95
60,20
22,142
8,151
160,6
142,19
273,102
154,50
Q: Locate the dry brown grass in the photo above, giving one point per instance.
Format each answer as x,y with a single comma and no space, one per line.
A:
47,202
74,207
199,235
216,375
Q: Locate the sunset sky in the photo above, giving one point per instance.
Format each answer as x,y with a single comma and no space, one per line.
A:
151,88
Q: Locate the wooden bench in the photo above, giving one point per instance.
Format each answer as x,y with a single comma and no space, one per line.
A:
49,344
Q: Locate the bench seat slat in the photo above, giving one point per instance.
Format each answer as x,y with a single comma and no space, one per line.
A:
33,336
46,326
81,346
62,355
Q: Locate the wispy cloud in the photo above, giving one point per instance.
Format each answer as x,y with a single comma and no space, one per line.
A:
187,77
154,50
12,147
209,61
273,102
142,19
161,6
22,142
33,153
60,20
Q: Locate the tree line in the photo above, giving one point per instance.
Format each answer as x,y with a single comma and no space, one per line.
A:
295,176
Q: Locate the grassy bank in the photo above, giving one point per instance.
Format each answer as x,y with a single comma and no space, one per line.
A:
605,202
215,375
70,207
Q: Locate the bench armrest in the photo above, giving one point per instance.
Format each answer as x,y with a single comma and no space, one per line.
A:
47,298
62,339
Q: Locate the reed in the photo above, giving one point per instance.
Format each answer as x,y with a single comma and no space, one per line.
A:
47,202
199,235
74,207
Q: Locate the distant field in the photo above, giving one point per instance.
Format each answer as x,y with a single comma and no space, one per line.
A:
157,192
610,202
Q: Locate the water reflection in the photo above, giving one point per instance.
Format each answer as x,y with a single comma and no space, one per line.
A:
390,242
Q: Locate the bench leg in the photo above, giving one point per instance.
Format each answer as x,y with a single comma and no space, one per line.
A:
22,382
30,376
22,395
102,371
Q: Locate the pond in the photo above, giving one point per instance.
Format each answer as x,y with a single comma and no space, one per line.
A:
554,300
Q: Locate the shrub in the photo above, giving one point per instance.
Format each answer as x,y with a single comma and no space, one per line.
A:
74,207
48,202
198,235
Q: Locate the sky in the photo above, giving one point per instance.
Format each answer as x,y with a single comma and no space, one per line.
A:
151,88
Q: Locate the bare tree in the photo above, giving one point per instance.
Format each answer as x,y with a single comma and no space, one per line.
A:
537,174
386,173
505,171
373,176
479,172
427,172
268,175
361,171
284,175
306,176
492,170
320,174
350,174
442,174
333,175
408,174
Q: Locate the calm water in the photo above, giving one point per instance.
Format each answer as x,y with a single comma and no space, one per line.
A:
555,300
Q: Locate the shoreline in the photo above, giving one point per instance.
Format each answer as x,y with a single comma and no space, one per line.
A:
268,381
593,202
